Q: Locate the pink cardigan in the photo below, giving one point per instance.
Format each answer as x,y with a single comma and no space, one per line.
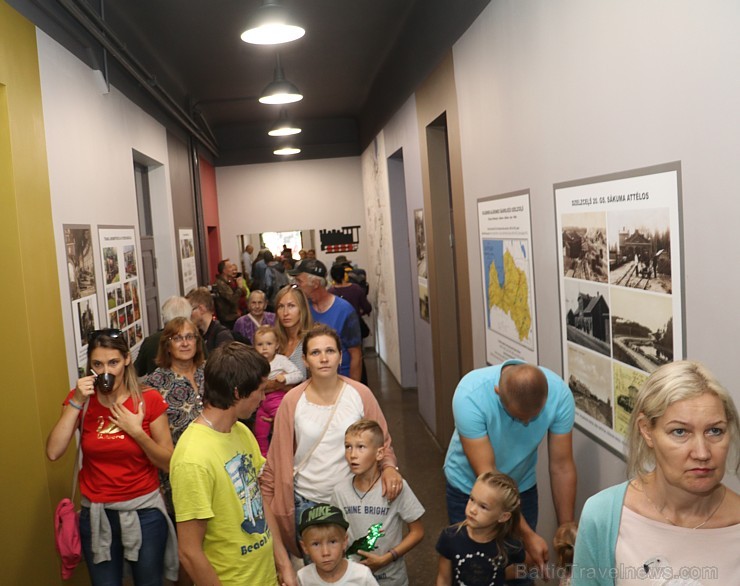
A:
276,480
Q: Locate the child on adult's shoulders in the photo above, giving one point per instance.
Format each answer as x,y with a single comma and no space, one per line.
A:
323,532
375,525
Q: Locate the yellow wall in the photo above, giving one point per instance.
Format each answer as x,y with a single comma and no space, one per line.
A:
32,357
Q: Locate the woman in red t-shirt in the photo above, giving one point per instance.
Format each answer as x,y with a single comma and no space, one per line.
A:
125,437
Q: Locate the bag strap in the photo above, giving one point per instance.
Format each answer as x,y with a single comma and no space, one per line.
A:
303,463
78,456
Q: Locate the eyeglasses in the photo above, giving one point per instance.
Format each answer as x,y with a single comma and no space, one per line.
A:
180,339
109,332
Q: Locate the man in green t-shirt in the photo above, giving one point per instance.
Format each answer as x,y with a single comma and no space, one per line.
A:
223,525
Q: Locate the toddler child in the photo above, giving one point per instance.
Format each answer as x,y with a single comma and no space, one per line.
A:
360,498
477,551
564,544
323,532
282,372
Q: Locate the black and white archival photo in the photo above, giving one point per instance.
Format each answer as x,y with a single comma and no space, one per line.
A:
590,380
640,249
587,320
642,328
584,246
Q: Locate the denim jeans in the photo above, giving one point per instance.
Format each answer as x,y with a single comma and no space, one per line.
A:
301,504
148,570
457,500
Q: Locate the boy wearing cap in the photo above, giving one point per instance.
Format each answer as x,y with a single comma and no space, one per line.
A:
323,531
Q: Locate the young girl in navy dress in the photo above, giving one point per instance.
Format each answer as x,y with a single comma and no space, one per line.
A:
477,551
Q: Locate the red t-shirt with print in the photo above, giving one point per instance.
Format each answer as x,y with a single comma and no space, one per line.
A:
114,467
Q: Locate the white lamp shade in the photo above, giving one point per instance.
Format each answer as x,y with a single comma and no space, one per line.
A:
283,126
271,24
280,91
287,150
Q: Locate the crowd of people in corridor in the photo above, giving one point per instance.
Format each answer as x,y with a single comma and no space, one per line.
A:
317,496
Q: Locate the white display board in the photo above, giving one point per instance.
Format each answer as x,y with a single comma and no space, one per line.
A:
505,231
621,290
187,260
83,295
123,293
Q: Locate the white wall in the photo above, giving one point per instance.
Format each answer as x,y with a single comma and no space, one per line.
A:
555,91
291,195
402,132
381,273
90,138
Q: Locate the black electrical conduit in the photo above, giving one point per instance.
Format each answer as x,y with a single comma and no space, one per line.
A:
93,24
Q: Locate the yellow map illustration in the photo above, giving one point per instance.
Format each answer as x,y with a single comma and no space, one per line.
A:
513,296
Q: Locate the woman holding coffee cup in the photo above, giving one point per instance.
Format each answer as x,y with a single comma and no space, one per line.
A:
125,438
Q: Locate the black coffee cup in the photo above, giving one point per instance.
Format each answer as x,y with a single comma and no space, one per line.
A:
104,382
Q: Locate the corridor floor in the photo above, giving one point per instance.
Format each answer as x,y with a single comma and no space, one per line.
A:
420,461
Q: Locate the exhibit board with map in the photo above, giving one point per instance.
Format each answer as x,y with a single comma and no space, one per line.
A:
505,230
621,290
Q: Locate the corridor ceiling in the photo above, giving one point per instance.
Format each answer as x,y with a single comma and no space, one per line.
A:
357,64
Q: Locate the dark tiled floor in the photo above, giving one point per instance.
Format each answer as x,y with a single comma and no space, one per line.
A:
420,460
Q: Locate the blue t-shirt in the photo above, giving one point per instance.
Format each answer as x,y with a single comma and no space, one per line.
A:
343,318
478,413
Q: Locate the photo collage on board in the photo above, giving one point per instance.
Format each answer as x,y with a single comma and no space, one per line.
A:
618,314
122,285
82,289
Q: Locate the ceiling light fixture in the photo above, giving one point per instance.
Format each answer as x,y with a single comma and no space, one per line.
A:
271,24
283,126
280,90
287,150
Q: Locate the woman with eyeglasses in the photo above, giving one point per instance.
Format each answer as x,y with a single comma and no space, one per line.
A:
125,439
292,323
179,379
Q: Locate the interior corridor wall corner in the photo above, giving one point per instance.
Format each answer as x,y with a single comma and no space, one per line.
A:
32,352
183,196
381,272
434,98
211,225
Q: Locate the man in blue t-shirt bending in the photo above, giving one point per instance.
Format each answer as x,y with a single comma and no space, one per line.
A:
502,413
333,311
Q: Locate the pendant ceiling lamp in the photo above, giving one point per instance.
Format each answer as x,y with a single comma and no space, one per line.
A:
280,90
272,24
283,126
286,150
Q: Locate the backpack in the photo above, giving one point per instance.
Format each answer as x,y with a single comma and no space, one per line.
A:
67,536
358,277
277,279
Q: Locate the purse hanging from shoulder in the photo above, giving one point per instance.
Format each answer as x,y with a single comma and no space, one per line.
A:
67,520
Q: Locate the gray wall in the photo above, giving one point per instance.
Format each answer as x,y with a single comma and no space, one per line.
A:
555,91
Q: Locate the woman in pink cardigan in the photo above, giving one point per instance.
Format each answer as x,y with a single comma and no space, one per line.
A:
306,456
